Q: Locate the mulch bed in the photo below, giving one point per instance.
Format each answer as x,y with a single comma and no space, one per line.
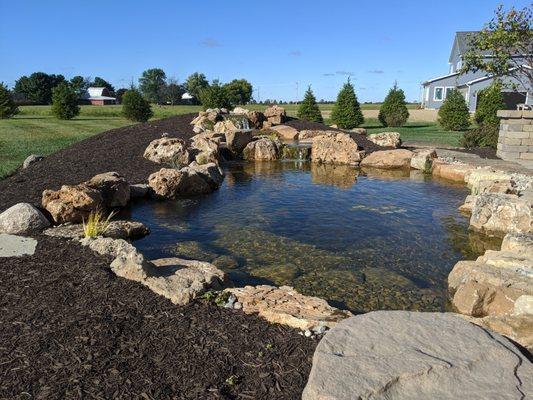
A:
71,329
483,152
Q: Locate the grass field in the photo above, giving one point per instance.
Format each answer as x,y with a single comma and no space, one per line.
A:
35,130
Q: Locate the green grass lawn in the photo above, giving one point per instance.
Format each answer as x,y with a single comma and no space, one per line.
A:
35,130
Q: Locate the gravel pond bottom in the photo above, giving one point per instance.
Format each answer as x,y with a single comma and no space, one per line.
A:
362,239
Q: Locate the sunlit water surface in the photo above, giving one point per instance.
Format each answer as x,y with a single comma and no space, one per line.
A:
363,240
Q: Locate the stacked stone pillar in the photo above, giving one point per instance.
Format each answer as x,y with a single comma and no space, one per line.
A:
515,141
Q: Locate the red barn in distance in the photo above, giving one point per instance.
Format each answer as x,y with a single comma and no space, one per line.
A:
98,96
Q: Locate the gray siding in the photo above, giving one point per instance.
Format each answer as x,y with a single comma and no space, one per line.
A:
452,81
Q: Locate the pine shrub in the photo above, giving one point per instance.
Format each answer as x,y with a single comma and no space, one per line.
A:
135,107
453,114
346,112
489,101
8,107
215,96
393,111
308,109
64,101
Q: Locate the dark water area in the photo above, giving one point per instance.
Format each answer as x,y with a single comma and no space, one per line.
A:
362,239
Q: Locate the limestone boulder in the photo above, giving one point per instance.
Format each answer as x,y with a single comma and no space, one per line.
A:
32,159
423,159
166,183
388,159
113,187
451,171
240,111
357,131
386,139
199,179
416,356
181,281
496,214
72,203
521,243
22,219
336,148
16,246
256,119
205,148
237,140
139,190
275,115
285,132
284,305
211,172
307,135
126,230
263,149
168,151
226,125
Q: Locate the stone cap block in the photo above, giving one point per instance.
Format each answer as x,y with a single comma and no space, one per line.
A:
515,113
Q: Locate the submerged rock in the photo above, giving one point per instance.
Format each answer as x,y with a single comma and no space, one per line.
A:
336,148
22,219
388,159
412,355
284,305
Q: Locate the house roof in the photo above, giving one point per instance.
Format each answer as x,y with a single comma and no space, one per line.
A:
462,44
438,78
187,96
490,76
96,91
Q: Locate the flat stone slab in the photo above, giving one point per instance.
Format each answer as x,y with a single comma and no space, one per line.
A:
16,246
413,355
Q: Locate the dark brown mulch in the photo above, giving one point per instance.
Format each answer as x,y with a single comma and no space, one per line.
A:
117,150
361,140
483,152
70,329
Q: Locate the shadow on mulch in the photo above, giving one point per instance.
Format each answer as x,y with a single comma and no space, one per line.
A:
71,329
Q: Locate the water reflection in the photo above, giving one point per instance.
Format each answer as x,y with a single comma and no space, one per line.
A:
365,239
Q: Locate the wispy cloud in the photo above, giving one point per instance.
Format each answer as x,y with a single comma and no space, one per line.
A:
328,74
376,71
295,53
345,73
210,42
362,88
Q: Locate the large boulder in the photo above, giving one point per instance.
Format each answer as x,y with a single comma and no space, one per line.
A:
72,203
423,159
210,172
168,151
285,132
386,139
226,125
236,140
307,135
166,182
336,148
22,219
264,149
275,115
521,243
113,187
416,356
256,119
284,305
181,280
388,159
496,214
451,171
119,229
205,147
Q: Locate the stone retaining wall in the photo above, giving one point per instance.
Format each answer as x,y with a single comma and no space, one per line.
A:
515,141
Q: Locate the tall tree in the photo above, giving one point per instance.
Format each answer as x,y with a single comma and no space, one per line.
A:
152,84
393,111
80,84
8,108
195,83
507,35
38,86
173,91
239,91
346,112
64,101
101,82
214,96
308,108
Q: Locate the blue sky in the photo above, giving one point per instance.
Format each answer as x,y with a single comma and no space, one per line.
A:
273,44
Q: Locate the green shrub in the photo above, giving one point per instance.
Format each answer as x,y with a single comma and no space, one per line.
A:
64,101
135,107
308,109
486,135
489,101
214,96
346,112
393,111
8,107
453,114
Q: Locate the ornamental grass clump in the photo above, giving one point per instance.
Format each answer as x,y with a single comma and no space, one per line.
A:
96,224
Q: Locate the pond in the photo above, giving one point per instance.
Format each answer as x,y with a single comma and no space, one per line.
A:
362,239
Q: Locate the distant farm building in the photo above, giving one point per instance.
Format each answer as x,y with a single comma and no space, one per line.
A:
98,96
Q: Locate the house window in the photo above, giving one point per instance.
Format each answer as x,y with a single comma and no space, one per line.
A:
439,94
448,90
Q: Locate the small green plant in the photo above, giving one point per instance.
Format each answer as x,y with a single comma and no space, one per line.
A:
454,115
489,101
232,380
209,296
269,346
96,224
135,107
308,108
8,107
346,112
214,96
393,111
222,298
486,135
64,101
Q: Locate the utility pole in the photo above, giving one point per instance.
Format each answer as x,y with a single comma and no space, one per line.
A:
297,92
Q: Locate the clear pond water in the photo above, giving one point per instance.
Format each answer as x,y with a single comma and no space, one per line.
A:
363,240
